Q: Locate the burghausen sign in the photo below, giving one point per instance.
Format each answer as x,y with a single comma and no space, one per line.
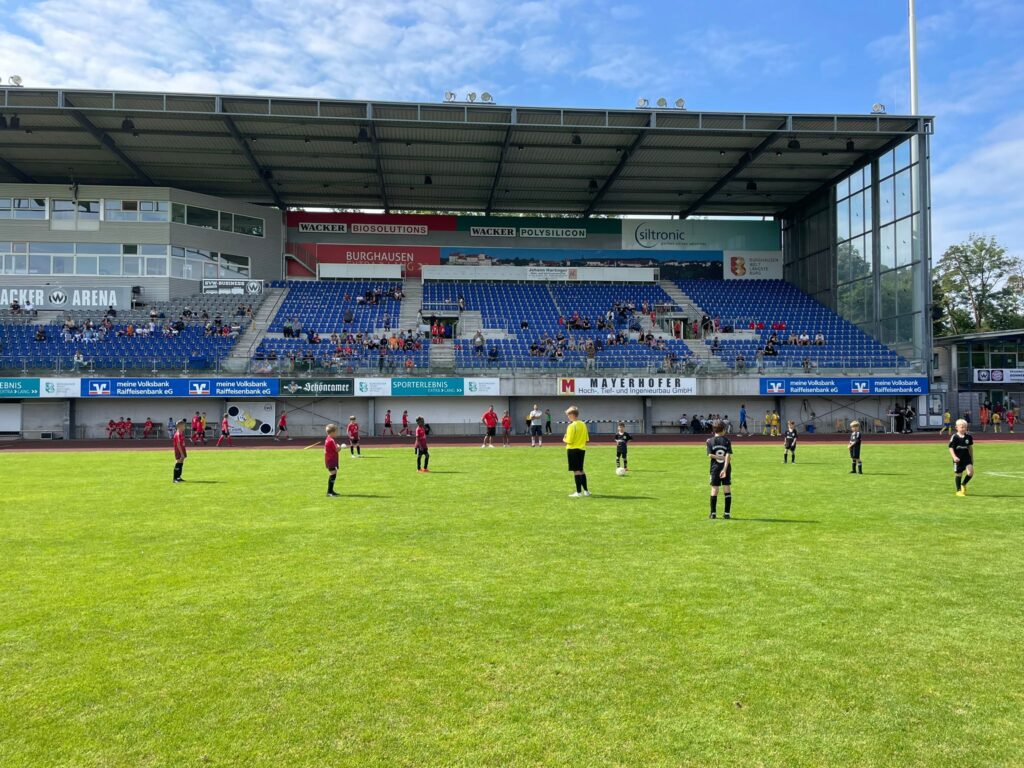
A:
317,387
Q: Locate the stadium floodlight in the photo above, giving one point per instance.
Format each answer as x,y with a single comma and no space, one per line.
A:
662,102
471,96
878,108
486,98
642,103
680,103
576,139
793,144
15,80
449,96
128,125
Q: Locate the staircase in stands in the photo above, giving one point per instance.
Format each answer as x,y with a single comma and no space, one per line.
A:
253,334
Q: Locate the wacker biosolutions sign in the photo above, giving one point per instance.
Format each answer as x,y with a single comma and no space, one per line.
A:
59,297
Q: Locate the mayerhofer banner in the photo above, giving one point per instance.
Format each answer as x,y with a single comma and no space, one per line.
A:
239,287
250,419
317,387
857,387
999,375
627,385
58,297
752,265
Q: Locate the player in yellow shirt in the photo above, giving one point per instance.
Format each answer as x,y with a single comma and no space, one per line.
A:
997,419
576,439
776,429
767,428
947,423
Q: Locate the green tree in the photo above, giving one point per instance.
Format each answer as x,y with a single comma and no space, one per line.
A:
974,280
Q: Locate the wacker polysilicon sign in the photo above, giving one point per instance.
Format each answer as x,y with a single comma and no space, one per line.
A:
897,386
627,385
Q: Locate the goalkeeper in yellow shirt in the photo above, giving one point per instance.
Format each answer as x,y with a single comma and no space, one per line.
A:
576,439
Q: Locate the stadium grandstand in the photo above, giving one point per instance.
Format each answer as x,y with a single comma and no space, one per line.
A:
146,234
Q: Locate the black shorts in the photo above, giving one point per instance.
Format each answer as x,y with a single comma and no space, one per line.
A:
717,479
575,457
854,451
491,431
354,440
422,451
790,446
620,450
225,433
535,430
959,467
282,428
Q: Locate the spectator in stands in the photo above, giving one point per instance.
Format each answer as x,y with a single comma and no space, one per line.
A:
805,339
204,315
462,304
524,324
15,307
30,308
819,339
409,365
717,322
806,363
478,344
78,360
715,344
386,321
40,333
591,351
217,319
793,338
741,363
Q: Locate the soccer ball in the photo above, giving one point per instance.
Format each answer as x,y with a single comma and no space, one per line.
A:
620,471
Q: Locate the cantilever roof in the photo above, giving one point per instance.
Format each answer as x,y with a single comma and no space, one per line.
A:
478,157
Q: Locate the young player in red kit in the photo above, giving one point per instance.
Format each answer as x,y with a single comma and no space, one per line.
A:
353,438
387,423
180,451
225,431
420,446
127,428
197,428
331,458
490,420
147,428
111,428
506,428
282,426
405,424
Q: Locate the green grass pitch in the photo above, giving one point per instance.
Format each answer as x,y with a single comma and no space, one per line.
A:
476,616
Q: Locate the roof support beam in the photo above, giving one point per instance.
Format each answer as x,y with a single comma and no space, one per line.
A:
745,162
497,172
16,172
619,168
375,145
262,173
108,144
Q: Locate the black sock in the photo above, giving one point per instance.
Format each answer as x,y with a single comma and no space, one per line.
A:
426,461
419,458
583,480
853,467
579,483
177,470
359,450
351,449
860,466
794,456
714,504
330,483
625,464
959,481
728,503
785,457
967,479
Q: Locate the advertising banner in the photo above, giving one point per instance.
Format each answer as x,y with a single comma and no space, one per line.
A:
64,388
481,387
999,375
701,235
251,419
410,257
582,386
387,224
422,387
317,387
373,387
197,388
57,297
752,265
552,273
537,226
856,387
19,387
239,287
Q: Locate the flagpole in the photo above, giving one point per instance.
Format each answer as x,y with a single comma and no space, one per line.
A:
912,28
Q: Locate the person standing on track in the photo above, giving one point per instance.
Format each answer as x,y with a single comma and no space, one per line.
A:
576,439
536,429
420,446
225,431
719,450
354,448
282,426
490,420
180,451
387,424
331,458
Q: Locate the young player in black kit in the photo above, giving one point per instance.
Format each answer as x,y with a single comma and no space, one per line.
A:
961,448
856,467
622,438
790,442
720,453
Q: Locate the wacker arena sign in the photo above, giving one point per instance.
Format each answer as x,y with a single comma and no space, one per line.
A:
56,297
627,385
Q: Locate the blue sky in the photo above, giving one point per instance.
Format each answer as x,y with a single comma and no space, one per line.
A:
823,56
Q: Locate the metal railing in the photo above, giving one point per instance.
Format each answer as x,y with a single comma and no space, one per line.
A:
150,365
